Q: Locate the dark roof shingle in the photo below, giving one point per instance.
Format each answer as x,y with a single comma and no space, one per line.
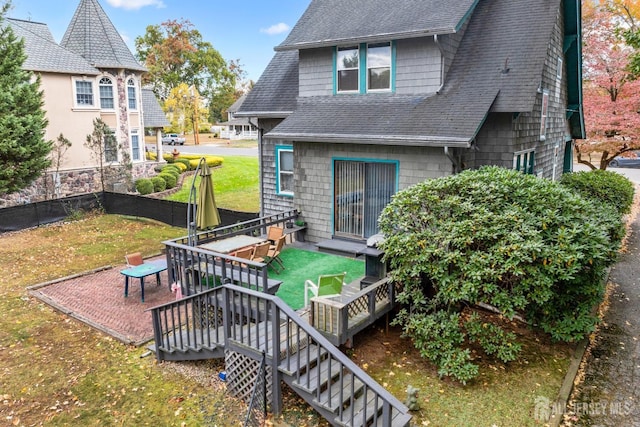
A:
153,116
331,22
92,35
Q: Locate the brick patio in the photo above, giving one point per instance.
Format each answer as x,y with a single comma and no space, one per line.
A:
97,299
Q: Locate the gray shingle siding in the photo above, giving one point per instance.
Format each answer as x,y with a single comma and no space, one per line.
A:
314,183
316,72
418,66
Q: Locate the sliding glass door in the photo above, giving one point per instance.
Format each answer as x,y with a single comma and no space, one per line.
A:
361,190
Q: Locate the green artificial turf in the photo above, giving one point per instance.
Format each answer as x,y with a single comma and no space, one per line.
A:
302,265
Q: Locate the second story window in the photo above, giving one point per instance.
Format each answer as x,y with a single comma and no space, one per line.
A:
106,94
84,93
348,69
131,95
379,66
284,170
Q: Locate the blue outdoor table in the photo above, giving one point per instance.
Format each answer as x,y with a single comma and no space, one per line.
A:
141,271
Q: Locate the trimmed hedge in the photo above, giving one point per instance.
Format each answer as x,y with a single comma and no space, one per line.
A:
144,186
602,186
170,179
159,184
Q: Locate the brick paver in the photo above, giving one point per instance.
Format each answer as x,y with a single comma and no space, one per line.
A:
98,300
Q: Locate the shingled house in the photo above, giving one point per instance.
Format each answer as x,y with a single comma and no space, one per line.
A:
363,99
90,74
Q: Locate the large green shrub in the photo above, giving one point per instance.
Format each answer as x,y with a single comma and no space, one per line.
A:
185,162
170,179
524,245
144,186
159,184
602,186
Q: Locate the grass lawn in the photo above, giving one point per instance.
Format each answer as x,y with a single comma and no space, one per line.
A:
235,185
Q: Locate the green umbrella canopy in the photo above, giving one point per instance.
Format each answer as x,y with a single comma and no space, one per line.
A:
207,215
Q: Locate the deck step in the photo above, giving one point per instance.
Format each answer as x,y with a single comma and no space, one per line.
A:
336,397
347,248
318,376
356,415
297,362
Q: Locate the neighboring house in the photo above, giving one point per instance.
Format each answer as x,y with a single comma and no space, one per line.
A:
90,74
237,127
362,100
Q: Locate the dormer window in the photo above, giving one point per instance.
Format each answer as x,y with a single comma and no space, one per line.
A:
106,94
348,69
364,68
379,66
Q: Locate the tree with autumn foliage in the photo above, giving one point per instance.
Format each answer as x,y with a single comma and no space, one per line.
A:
611,97
185,109
175,53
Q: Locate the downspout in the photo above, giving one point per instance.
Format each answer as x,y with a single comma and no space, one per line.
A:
437,42
260,135
456,165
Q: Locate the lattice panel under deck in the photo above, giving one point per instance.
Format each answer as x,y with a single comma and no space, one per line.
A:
241,376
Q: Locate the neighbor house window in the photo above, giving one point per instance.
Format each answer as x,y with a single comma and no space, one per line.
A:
544,114
524,161
84,93
135,144
348,69
131,95
284,170
106,93
110,147
379,66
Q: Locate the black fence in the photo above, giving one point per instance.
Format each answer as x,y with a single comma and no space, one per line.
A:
40,213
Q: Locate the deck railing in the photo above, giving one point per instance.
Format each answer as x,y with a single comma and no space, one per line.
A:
339,319
254,323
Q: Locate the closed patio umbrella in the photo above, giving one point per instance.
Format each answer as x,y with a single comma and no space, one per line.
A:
207,215
206,212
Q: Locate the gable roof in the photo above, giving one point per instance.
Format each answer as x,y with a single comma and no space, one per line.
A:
497,68
44,54
275,93
92,35
153,116
332,22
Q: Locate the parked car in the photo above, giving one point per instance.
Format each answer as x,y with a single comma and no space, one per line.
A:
173,139
631,160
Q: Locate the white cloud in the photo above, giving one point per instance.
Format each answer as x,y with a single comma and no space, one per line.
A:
135,4
275,29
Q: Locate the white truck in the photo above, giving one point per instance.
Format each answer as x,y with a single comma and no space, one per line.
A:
173,139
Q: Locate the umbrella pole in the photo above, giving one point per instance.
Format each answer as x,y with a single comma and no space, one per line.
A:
191,207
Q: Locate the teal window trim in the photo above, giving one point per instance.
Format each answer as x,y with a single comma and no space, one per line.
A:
363,68
278,149
362,71
363,160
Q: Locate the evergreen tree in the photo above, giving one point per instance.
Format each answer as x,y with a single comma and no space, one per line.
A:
23,149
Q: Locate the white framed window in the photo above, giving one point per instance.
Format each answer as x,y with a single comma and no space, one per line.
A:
131,95
106,93
110,147
379,66
525,161
83,93
559,68
136,152
284,170
544,113
348,69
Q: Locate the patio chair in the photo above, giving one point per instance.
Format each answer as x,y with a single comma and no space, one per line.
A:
134,259
329,285
246,253
274,233
273,256
260,252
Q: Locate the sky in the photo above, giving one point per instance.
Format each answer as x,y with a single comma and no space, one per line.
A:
247,30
